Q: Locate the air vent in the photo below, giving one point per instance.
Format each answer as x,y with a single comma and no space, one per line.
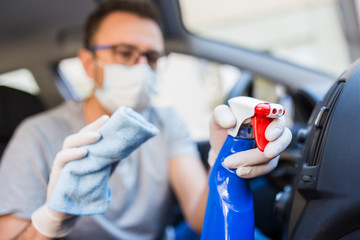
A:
321,123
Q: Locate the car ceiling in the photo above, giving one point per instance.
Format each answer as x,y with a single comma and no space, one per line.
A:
46,30
38,28
36,34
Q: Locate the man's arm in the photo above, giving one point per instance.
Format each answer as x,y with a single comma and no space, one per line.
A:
188,178
46,222
17,228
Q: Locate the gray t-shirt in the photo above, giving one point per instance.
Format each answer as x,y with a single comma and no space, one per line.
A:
141,194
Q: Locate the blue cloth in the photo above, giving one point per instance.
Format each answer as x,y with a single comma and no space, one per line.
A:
82,188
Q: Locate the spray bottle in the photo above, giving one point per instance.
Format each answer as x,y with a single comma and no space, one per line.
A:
229,210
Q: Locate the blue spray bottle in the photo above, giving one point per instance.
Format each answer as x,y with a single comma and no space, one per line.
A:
229,210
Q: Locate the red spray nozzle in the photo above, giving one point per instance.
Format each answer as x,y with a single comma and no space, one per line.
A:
264,115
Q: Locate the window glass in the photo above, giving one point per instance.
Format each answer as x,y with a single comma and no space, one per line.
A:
194,87
306,32
21,79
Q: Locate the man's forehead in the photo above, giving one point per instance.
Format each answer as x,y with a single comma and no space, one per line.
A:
128,28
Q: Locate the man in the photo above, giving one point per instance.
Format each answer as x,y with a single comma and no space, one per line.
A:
123,40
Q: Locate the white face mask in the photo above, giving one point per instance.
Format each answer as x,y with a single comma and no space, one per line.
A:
129,86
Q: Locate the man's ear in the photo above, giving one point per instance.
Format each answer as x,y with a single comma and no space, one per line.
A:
88,62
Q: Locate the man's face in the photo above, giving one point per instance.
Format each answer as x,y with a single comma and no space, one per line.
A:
130,31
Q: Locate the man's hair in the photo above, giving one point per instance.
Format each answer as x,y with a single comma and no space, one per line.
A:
141,8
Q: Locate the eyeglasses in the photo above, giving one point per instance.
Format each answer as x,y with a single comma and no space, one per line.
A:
128,54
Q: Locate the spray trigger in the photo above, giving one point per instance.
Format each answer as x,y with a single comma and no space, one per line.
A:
260,113
264,115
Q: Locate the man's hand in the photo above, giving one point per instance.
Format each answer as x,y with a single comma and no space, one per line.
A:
253,162
55,224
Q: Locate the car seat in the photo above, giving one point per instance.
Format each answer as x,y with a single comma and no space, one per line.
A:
15,105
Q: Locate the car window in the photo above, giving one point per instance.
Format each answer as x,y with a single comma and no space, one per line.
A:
194,87
318,34
21,79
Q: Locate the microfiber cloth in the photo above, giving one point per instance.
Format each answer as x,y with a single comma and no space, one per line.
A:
82,188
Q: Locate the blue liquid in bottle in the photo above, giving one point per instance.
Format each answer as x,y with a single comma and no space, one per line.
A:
229,210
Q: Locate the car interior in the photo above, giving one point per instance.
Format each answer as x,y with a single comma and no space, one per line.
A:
39,70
